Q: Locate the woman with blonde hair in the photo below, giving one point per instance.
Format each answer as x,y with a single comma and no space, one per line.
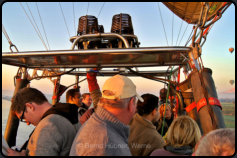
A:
165,111
182,136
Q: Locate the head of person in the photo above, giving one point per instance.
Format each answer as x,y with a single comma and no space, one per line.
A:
183,131
119,97
73,96
86,99
149,108
29,105
219,142
165,110
163,94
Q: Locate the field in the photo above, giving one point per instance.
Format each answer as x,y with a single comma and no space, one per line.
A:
228,110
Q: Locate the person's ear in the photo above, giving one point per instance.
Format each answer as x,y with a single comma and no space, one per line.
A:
31,106
131,104
70,98
154,111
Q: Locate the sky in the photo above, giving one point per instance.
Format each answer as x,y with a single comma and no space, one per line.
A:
147,27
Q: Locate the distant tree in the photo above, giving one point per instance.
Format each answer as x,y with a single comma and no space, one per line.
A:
221,100
227,100
233,102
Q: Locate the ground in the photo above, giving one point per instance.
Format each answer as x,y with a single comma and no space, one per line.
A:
228,110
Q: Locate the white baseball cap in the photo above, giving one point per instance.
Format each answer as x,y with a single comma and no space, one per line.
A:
121,86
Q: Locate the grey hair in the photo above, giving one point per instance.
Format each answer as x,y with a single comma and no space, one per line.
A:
217,142
116,103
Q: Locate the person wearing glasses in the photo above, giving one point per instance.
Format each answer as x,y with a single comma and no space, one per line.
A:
56,125
144,138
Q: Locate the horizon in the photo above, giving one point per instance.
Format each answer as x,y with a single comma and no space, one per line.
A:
147,27
220,96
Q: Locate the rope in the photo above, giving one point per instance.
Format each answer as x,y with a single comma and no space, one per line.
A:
173,24
166,103
6,35
74,17
64,19
163,24
76,83
35,22
153,78
189,37
179,32
42,25
87,8
197,35
34,27
100,10
166,74
183,34
53,75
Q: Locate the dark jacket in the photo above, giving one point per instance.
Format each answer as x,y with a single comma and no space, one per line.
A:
166,125
173,151
84,105
86,115
69,111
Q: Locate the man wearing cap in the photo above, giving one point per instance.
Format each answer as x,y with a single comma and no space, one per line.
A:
106,132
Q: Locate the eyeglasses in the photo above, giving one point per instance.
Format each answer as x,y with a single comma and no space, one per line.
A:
22,116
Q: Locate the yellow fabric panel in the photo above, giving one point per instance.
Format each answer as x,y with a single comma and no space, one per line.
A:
190,11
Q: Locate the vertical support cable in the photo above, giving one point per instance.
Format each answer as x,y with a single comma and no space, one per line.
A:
35,28
172,25
183,34
6,35
163,23
42,25
74,18
64,19
189,37
87,8
177,88
179,31
35,22
166,102
100,10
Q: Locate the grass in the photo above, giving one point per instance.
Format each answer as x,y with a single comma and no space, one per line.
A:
229,121
228,110
230,125
229,118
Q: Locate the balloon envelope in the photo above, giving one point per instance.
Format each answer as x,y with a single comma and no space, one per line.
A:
231,49
232,82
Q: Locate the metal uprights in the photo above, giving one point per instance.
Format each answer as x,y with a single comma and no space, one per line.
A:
13,121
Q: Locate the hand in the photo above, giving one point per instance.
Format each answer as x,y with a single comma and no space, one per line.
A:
11,152
91,73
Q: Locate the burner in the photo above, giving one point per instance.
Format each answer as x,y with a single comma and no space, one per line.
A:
122,24
87,25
